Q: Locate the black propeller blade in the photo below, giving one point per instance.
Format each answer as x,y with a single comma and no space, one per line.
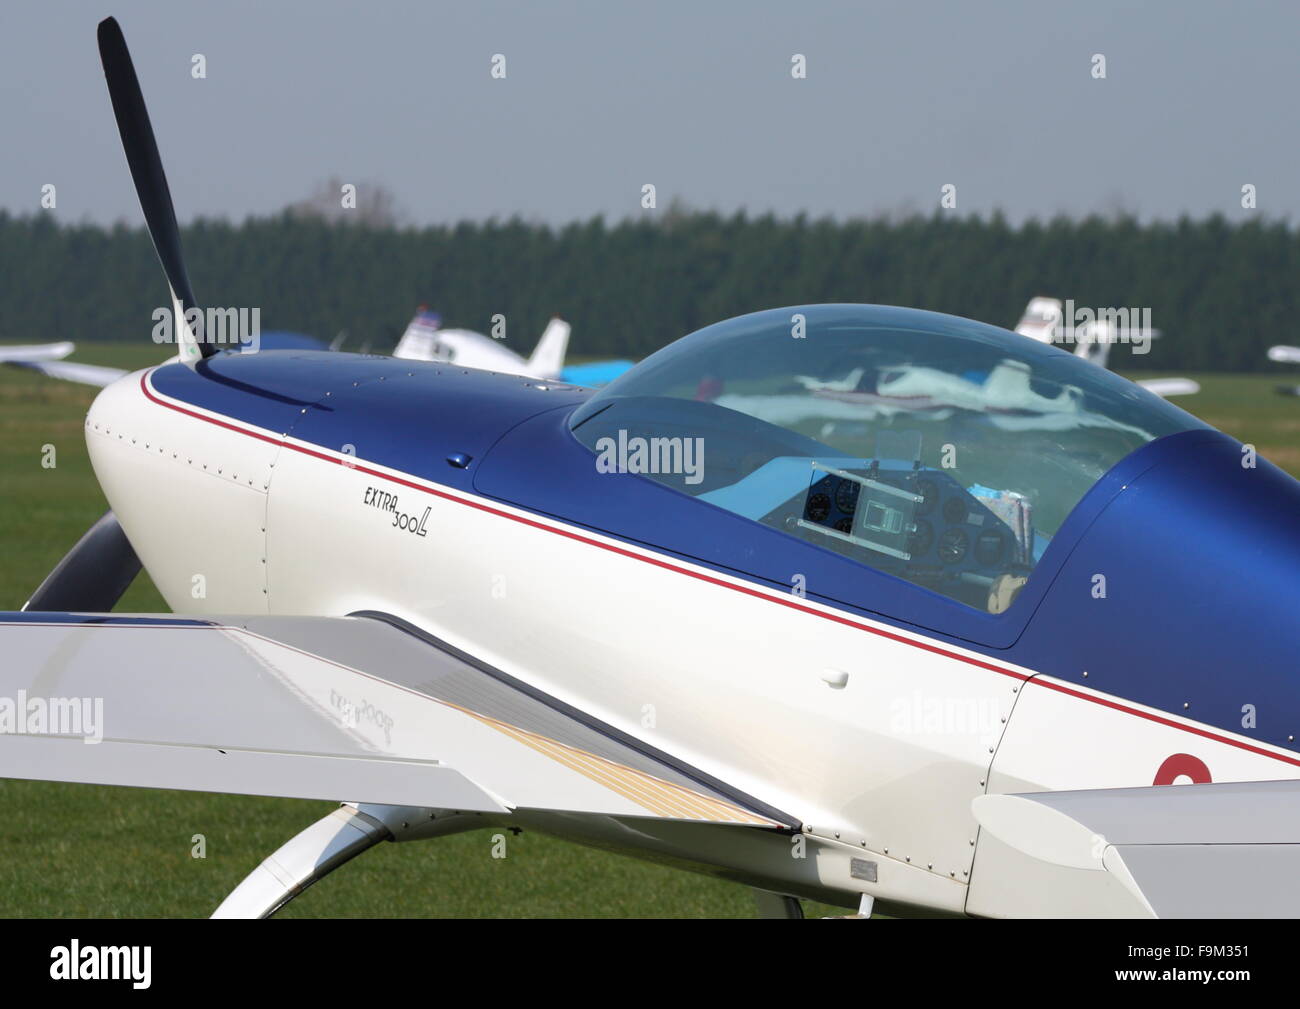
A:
146,167
92,575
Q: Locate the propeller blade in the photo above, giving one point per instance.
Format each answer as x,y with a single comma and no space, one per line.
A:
92,575
150,182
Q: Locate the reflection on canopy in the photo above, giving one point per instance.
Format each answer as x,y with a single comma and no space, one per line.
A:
941,450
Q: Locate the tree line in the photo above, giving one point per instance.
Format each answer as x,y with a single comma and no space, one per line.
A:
1220,292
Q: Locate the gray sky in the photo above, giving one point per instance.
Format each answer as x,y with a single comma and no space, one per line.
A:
697,98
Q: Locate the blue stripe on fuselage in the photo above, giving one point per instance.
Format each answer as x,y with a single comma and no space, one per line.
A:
406,415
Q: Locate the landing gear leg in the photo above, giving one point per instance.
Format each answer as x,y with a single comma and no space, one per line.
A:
327,844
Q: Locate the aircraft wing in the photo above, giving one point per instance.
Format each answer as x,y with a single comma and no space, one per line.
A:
1166,387
360,708
36,352
71,371
47,358
1228,850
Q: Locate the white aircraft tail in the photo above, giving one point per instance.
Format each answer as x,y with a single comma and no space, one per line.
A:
548,356
1007,385
1041,317
420,335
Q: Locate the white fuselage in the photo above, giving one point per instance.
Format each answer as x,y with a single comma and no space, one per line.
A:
876,738
423,340
461,347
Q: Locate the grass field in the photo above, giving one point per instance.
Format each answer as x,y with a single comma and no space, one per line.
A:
78,850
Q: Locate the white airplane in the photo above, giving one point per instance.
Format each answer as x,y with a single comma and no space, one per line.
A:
423,340
1286,355
1093,341
426,340
841,670
49,359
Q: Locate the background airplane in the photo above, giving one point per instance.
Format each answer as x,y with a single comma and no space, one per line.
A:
1286,355
423,340
1093,340
426,340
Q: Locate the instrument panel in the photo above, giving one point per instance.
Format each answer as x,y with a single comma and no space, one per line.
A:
954,544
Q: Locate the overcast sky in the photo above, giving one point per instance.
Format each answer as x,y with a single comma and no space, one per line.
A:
697,98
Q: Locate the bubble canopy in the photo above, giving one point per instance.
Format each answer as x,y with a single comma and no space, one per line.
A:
942,450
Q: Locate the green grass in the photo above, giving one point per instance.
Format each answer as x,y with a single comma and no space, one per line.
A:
1249,408
88,851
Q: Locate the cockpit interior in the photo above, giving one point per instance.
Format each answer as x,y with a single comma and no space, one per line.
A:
938,450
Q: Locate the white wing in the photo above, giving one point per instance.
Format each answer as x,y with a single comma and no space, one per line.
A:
348,708
47,358
1167,387
19,354
1172,851
71,371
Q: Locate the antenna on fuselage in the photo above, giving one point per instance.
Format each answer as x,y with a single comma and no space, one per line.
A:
151,186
